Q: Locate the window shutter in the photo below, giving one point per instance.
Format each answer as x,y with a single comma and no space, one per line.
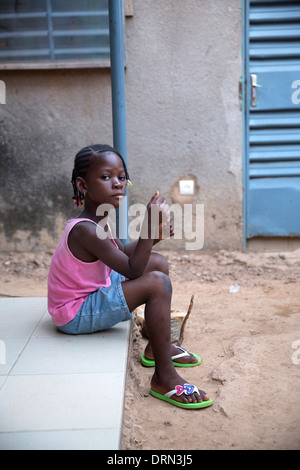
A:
54,33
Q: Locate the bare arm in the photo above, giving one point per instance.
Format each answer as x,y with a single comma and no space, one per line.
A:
130,260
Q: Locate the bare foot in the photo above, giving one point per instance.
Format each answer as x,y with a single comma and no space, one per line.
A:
175,350
168,383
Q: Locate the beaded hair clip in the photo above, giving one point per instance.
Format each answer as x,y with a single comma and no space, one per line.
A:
78,202
128,183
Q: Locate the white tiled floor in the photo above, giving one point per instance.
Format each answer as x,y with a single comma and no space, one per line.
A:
58,391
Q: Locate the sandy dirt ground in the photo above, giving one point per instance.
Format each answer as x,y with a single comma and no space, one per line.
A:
249,342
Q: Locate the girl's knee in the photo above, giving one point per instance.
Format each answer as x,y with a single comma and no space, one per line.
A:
160,282
158,262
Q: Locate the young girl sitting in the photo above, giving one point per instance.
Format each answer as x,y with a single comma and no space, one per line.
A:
96,281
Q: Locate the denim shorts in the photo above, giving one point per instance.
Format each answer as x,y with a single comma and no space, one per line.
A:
101,310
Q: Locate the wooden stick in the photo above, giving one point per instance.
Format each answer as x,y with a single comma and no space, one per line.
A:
181,336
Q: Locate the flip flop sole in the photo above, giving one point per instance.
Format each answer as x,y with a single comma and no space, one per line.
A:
189,406
151,363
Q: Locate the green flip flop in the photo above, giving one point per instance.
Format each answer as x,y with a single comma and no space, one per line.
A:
186,389
151,363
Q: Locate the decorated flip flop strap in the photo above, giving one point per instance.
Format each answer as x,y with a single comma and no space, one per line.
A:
186,389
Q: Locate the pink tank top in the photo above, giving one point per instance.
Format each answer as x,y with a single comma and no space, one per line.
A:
71,280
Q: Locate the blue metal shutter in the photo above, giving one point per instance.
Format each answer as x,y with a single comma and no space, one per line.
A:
272,75
54,32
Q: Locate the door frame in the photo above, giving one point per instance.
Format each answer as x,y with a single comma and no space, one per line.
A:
245,115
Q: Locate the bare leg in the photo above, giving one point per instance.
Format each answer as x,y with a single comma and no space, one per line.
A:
154,289
158,262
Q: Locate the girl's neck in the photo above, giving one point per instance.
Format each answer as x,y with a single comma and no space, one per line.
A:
88,214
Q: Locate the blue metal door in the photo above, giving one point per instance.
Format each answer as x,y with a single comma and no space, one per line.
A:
272,118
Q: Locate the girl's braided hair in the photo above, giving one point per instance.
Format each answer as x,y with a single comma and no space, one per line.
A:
82,163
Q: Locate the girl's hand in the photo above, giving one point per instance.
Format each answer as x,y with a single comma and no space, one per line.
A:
158,223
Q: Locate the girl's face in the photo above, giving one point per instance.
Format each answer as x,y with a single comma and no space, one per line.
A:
105,181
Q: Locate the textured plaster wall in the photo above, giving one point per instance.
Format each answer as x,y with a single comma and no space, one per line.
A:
183,120
184,62
48,117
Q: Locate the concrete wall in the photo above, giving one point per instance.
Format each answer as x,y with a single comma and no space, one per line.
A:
183,120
